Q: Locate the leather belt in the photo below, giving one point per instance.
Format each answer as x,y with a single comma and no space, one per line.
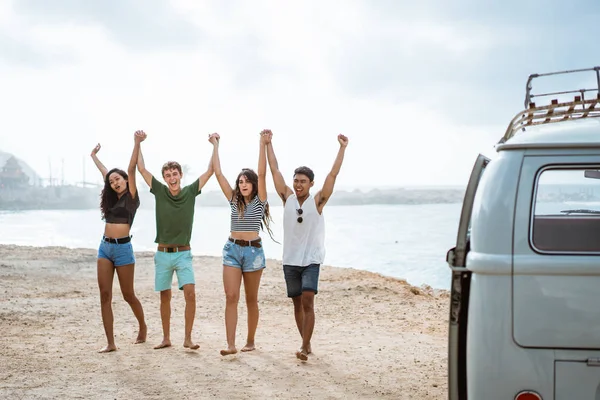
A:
174,249
117,240
254,243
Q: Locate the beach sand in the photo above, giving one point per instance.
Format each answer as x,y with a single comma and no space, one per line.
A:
375,337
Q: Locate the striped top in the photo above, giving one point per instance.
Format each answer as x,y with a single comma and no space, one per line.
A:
251,219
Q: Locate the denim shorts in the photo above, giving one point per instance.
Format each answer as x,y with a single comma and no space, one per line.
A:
301,279
166,263
118,253
247,258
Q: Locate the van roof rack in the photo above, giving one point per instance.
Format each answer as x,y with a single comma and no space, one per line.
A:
578,108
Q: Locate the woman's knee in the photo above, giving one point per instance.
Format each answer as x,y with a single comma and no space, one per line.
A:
251,301
105,296
232,297
129,297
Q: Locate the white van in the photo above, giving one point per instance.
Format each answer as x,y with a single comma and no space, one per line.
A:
525,294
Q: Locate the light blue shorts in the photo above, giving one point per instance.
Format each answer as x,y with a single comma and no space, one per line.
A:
167,263
247,258
118,253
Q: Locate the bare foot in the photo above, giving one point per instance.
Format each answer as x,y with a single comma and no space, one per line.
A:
141,338
248,347
302,355
309,349
108,349
163,344
230,350
188,344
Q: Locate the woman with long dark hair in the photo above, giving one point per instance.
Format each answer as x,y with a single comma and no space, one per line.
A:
243,255
118,205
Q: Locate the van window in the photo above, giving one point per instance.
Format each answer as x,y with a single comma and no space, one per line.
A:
566,211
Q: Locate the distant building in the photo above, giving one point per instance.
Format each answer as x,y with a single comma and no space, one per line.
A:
34,178
12,175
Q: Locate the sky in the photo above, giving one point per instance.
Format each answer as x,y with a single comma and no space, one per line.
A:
419,88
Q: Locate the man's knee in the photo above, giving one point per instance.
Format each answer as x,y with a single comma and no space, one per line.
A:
165,296
297,303
189,293
308,301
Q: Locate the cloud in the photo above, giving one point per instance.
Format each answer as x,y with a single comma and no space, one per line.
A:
468,60
17,51
139,25
256,43
245,57
22,46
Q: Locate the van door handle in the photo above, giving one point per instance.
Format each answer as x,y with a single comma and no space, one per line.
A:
593,362
450,258
459,269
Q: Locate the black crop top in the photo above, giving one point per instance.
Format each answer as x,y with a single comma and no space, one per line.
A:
124,210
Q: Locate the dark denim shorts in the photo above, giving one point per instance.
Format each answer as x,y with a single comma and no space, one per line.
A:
301,279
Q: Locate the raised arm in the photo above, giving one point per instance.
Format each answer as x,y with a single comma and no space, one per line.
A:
98,163
206,176
142,168
323,195
138,137
216,163
283,190
262,167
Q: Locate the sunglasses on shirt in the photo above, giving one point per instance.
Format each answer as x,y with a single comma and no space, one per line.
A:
299,212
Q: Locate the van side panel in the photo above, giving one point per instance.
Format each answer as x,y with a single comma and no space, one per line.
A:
496,367
555,296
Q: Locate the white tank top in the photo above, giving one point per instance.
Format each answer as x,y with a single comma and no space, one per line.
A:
303,243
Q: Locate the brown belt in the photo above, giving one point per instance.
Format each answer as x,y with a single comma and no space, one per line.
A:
254,243
173,249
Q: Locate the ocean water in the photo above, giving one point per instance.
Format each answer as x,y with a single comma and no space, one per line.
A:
402,241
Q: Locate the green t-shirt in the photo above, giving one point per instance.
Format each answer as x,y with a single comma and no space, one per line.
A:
174,214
